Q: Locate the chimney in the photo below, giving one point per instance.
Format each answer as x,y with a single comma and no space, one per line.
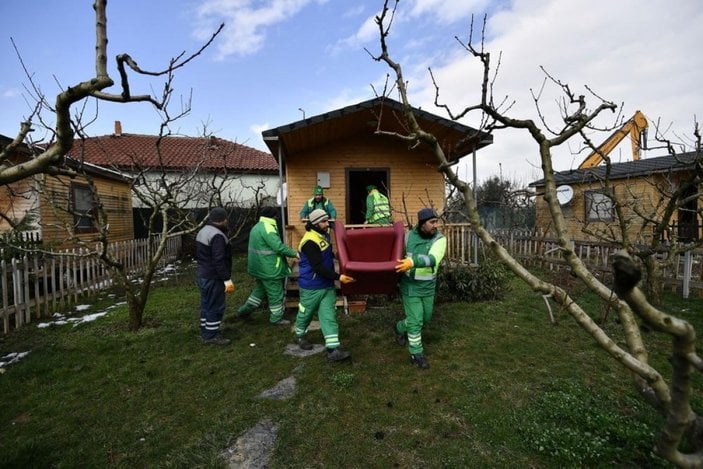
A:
118,128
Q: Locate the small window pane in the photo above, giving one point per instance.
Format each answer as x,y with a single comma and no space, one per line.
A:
599,206
82,204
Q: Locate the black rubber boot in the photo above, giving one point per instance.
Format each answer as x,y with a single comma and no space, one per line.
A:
400,339
303,343
419,361
337,355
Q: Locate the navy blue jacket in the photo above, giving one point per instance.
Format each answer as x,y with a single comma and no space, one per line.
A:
213,254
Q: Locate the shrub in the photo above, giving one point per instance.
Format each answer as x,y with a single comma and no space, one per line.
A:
489,280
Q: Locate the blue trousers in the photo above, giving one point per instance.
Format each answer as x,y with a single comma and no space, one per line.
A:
212,306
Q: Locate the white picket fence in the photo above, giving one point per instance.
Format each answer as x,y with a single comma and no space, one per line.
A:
536,249
37,284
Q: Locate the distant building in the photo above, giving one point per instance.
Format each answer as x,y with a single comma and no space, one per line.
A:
640,186
249,173
46,205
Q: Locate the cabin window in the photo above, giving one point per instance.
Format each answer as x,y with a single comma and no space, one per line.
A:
83,207
599,206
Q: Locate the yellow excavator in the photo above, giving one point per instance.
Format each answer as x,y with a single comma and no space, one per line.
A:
636,127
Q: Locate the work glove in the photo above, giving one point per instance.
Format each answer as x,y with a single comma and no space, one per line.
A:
404,265
346,279
229,286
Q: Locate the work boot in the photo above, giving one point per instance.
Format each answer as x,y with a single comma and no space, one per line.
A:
419,361
337,355
303,343
282,322
400,339
217,340
244,316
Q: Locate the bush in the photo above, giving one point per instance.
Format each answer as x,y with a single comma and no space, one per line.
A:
487,281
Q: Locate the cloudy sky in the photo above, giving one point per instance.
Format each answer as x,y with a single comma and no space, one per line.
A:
280,60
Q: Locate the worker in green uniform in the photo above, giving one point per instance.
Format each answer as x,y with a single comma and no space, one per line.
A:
267,263
317,291
318,200
378,209
425,247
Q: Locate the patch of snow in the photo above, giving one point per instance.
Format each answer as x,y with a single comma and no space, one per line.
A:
11,358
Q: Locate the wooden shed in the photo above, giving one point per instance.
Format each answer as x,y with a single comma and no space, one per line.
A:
640,186
51,202
341,151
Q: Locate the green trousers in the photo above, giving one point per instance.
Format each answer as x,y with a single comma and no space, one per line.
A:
271,289
322,302
418,312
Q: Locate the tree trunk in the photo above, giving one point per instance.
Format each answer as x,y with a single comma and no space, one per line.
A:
653,280
136,311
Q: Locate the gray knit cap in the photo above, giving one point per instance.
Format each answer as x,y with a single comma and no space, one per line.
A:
318,215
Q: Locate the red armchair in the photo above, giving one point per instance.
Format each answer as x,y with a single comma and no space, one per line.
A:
369,255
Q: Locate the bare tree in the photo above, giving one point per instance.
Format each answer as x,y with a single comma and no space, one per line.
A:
168,201
502,203
165,196
49,157
673,397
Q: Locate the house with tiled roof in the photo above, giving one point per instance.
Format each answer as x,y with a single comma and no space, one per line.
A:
249,174
50,205
641,186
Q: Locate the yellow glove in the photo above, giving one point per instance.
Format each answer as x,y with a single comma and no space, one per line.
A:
346,279
229,286
404,265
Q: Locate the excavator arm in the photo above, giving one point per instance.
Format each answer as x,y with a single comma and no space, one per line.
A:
635,127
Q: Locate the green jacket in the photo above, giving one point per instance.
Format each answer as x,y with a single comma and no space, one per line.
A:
427,254
325,204
378,210
267,253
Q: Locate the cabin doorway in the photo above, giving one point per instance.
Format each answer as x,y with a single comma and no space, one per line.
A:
357,181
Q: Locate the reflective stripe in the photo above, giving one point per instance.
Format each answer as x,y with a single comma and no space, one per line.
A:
332,341
424,258
424,277
415,339
252,300
262,252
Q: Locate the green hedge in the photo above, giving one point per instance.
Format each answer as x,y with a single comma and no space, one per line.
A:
489,280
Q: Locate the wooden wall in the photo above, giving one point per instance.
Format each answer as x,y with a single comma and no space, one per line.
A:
115,196
645,193
414,181
16,200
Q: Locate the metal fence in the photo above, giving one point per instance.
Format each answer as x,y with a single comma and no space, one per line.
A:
38,284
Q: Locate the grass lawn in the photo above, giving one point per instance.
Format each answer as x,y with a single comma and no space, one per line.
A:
506,388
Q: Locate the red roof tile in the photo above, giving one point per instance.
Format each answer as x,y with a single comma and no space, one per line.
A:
140,151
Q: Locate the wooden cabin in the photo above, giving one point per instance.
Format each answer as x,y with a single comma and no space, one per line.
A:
44,201
640,186
341,151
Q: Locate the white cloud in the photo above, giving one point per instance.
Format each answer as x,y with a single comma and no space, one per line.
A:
447,11
645,56
245,22
366,33
9,93
354,11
